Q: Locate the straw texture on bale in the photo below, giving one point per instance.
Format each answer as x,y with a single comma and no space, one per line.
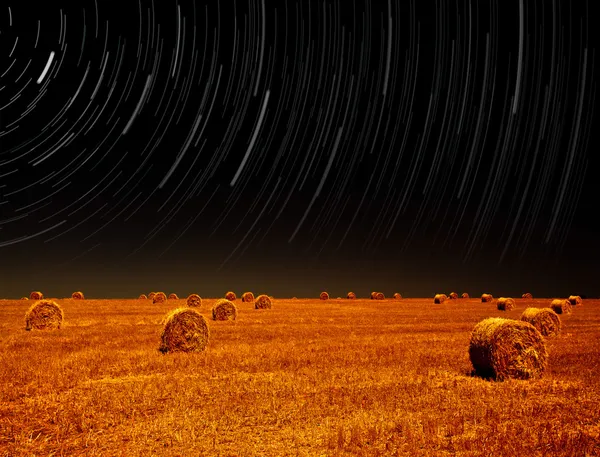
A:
263,302
397,296
247,297
173,296
544,319
194,300
230,296
575,300
143,297
439,298
465,295
36,295
224,310
486,298
159,297
505,304
561,306
185,330
77,295
527,295
453,295
379,296
324,296
44,315
351,296
507,349
151,295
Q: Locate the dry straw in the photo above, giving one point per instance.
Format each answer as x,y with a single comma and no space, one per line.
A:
453,295
151,295
143,297
36,295
159,297
194,300
439,298
485,298
263,302
324,296
379,296
77,295
544,319
351,296
397,296
505,304
561,306
44,315
230,296
575,300
504,348
185,330
527,295
224,310
465,295
173,296
247,297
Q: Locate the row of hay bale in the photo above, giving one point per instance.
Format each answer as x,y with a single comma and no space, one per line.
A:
37,295
352,296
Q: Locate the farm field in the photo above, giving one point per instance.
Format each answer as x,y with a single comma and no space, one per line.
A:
305,378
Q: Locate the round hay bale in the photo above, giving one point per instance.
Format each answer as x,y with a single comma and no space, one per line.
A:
194,300
24,298
544,319
142,297
224,310
77,295
324,296
36,295
373,295
173,296
159,297
486,298
505,304
465,295
575,300
351,296
185,330
439,298
527,295
397,296
247,297
151,295
379,296
507,349
561,306
263,302
44,315
230,296
453,296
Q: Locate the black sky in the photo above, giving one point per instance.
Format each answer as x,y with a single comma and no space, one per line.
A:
290,147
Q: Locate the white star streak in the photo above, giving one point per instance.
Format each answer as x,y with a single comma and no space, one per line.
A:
46,68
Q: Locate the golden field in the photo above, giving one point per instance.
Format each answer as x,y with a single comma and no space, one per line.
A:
306,378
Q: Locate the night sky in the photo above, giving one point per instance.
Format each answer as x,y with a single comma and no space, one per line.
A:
293,146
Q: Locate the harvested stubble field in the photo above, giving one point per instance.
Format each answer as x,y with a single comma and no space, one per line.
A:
307,378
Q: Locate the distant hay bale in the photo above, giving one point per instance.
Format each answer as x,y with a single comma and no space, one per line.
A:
527,295
173,296
231,296
44,315
159,297
397,296
439,298
351,296
544,319
485,298
379,296
24,298
505,304
561,306
77,295
373,295
143,297
224,310
263,302
324,296
453,296
185,330
36,295
247,297
507,349
194,300
465,295
575,300
151,295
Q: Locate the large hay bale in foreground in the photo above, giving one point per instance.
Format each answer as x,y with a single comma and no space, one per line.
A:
486,298
465,295
397,296
263,302
527,295
544,319
159,297
453,295
379,296
324,296
439,298
575,300
194,300
561,306
505,304
247,297
185,330
223,310
173,296
351,296
504,348
44,315
230,296
36,295
142,297
77,295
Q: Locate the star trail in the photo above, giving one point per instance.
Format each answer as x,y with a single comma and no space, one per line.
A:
298,146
